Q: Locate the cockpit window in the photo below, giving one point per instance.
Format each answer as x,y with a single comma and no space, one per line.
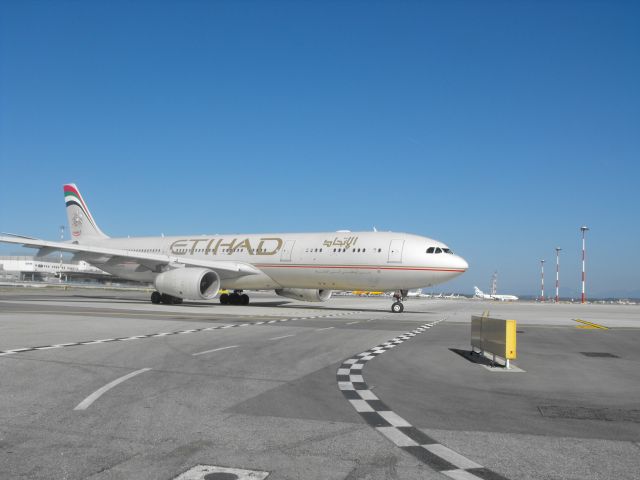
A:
438,250
447,250
431,249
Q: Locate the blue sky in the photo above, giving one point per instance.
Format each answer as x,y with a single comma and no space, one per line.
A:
497,127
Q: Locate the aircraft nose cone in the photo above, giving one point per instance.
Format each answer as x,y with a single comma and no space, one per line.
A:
461,263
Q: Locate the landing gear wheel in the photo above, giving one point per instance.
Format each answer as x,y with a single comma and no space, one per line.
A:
244,299
397,307
155,298
234,299
224,299
166,299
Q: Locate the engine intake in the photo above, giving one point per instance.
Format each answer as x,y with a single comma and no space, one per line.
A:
189,283
305,294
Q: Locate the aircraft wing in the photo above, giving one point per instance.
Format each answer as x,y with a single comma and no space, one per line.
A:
225,268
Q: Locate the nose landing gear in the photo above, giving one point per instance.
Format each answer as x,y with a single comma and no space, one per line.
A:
398,306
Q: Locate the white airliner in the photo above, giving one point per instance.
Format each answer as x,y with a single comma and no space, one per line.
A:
302,266
485,296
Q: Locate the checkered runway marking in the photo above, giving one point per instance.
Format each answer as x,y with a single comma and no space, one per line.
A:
395,428
164,334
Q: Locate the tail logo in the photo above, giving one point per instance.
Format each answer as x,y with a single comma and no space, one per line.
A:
76,223
73,198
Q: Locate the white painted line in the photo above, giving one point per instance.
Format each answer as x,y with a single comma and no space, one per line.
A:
361,406
394,419
451,456
367,395
83,405
345,386
214,350
326,328
283,336
351,323
343,371
356,378
397,437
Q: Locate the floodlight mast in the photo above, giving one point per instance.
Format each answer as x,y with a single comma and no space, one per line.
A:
558,249
583,229
542,280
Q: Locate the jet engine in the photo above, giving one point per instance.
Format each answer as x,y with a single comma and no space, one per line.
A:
305,294
189,283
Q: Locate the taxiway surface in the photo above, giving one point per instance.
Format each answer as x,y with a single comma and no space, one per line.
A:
104,385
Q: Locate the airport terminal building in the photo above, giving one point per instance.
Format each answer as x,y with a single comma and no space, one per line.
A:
30,268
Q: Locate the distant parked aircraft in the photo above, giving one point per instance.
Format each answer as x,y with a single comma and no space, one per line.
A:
485,296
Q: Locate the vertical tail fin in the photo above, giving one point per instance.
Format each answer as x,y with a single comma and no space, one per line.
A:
81,222
478,292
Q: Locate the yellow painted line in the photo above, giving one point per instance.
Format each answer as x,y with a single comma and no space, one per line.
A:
589,325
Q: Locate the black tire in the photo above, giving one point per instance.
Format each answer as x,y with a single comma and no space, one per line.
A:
244,299
155,298
224,299
397,307
166,299
234,299
177,301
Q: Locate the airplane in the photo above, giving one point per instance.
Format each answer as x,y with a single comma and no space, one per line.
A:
485,296
416,293
301,266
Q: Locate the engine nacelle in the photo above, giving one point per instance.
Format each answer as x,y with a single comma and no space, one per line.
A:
189,283
305,294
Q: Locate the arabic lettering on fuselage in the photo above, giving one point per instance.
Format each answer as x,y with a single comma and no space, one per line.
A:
344,242
220,246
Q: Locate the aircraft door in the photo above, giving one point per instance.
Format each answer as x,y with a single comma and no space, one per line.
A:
287,250
395,251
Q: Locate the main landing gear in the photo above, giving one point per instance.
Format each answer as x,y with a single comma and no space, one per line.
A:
157,297
398,306
235,298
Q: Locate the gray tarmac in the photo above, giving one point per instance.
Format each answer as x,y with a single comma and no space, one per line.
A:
261,394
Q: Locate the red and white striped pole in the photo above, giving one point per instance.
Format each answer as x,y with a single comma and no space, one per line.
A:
558,274
542,280
583,229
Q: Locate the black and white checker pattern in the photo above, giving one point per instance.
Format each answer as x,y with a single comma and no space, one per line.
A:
164,334
395,428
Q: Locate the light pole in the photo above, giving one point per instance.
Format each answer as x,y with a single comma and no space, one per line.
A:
61,240
542,280
558,274
583,229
